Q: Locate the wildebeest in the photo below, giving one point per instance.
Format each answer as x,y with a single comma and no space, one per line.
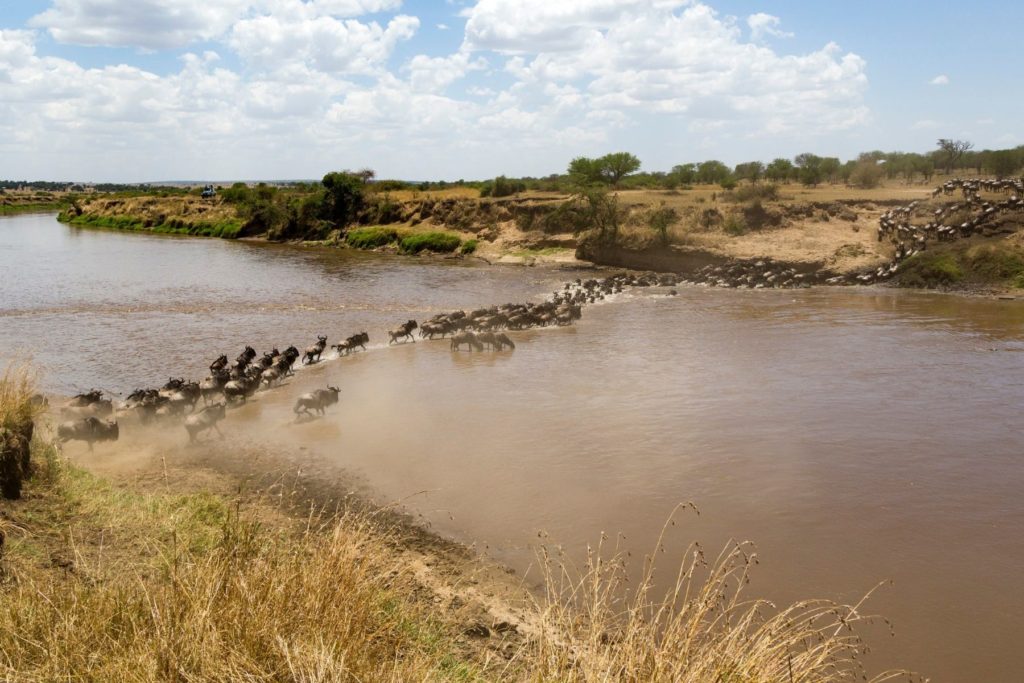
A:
501,340
467,338
313,352
219,364
96,407
214,384
403,331
205,420
85,399
241,388
349,345
89,429
316,400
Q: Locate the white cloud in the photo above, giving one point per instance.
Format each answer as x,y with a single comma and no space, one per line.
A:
325,43
442,27
303,83
151,24
156,24
672,57
433,74
941,79
765,25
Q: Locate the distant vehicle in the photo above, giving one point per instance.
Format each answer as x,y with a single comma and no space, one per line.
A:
209,192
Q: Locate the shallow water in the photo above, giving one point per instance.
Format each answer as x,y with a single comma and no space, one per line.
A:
856,436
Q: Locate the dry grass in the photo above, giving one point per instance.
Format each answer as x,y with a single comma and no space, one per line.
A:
447,193
183,588
596,627
17,386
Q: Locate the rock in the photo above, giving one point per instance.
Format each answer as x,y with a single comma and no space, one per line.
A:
478,631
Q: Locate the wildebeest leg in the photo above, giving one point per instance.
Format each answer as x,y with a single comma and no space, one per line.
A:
89,441
218,430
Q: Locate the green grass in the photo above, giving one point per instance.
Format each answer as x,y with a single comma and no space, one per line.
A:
36,207
439,242
469,246
372,237
223,229
932,269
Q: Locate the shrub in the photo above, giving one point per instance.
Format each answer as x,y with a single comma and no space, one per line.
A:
660,220
931,269
734,225
746,193
440,242
371,238
469,246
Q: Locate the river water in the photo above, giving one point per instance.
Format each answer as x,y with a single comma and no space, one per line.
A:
855,435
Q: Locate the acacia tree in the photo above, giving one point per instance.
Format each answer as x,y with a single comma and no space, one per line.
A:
609,169
810,168
616,166
952,151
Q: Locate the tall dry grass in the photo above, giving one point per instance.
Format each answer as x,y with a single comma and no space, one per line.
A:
596,626
17,386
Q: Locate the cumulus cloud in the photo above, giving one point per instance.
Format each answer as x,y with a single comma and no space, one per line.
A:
151,24
765,25
157,24
941,79
323,42
302,81
671,57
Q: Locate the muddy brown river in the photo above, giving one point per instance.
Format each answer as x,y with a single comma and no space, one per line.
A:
855,435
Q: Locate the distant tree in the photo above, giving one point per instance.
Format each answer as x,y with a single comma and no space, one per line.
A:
830,169
751,171
585,171
343,197
616,166
366,174
951,151
1003,163
712,171
683,174
867,174
780,170
810,168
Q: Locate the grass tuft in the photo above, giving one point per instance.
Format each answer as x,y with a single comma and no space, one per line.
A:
439,242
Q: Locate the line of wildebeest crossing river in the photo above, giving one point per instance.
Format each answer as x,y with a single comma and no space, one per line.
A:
93,418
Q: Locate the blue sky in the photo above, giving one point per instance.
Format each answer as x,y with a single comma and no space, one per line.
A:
111,90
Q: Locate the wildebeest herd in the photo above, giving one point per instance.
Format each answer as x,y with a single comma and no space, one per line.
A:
233,383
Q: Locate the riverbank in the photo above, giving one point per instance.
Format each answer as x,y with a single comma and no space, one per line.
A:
227,561
828,235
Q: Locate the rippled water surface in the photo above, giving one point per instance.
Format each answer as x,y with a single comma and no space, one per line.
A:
855,435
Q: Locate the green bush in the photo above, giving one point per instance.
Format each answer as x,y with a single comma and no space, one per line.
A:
469,246
440,242
931,269
371,238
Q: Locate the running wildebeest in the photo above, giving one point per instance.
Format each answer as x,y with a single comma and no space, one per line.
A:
89,429
316,400
313,352
403,331
241,388
205,420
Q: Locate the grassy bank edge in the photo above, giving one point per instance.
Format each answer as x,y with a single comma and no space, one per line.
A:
116,583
